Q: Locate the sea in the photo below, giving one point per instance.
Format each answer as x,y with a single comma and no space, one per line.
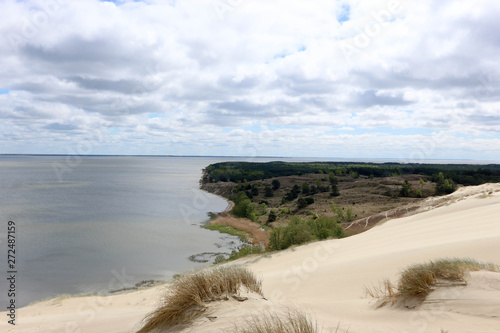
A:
96,224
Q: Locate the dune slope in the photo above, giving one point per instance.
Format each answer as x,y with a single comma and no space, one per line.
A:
327,279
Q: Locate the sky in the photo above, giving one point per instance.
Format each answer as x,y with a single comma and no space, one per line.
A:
413,80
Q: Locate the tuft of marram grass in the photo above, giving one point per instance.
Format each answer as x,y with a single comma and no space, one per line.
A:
292,321
418,280
190,293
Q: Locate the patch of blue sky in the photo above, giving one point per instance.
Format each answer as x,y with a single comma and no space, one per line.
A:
155,115
113,131
285,54
4,91
344,13
254,128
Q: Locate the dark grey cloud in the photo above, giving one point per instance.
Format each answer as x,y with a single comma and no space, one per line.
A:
370,98
486,120
60,127
240,107
123,86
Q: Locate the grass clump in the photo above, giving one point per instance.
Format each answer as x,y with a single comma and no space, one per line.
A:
293,321
190,294
417,281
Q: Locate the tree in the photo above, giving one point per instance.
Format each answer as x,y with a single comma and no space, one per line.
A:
304,202
305,188
276,184
335,191
255,190
272,216
444,185
405,189
268,191
332,179
313,189
349,215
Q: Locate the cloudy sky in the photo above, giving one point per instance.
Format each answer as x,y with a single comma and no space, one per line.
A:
338,78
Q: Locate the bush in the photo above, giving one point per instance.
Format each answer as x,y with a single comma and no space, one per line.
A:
268,191
324,228
219,259
335,191
244,251
298,232
405,189
272,216
444,185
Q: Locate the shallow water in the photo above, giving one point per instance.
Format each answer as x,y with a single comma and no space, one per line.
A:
103,223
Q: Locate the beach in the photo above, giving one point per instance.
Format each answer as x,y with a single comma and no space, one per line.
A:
328,280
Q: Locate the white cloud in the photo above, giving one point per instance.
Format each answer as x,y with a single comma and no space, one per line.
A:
283,77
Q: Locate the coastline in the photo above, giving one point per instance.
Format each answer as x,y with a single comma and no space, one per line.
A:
253,232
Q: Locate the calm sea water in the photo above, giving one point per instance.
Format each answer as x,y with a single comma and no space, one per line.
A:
95,224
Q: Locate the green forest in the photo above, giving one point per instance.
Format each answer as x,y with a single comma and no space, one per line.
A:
464,174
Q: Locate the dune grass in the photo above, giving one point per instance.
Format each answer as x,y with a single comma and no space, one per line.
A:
417,281
292,321
190,293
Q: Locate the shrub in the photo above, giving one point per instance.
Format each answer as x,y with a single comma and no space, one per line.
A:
219,259
335,191
298,232
244,251
268,191
190,293
272,216
324,228
405,189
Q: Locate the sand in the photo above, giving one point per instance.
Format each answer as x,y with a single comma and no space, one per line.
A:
327,280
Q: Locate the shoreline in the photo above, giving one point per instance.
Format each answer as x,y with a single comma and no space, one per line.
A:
254,233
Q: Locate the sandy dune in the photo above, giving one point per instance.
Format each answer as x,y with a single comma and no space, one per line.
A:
327,279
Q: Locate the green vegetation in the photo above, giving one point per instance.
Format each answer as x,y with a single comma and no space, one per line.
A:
272,216
299,231
244,207
444,185
189,295
464,174
227,230
295,205
418,280
245,250
406,189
